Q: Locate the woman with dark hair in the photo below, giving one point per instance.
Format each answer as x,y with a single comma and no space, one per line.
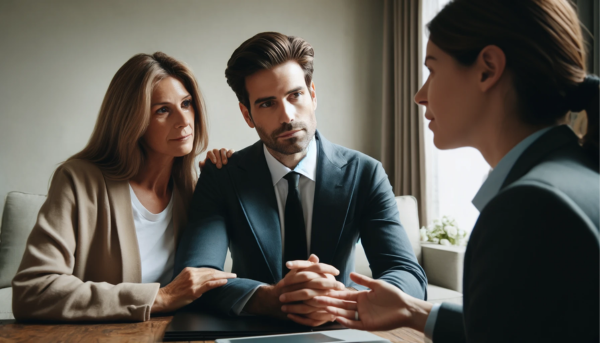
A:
504,76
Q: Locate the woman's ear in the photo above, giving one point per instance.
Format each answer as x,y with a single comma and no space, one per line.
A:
491,64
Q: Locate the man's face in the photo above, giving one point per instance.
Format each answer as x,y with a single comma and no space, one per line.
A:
282,108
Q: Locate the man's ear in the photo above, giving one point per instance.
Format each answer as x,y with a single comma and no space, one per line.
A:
247,116
313,95
491,64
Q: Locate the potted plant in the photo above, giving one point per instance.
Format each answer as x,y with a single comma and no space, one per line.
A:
444,232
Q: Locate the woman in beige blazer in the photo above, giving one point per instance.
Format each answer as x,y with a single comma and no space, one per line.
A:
82,260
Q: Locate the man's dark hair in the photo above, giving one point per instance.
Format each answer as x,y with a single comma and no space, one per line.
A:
265,51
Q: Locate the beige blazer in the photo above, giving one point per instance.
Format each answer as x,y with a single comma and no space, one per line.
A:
81,261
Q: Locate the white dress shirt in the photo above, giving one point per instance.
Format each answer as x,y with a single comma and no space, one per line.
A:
156,241
307,168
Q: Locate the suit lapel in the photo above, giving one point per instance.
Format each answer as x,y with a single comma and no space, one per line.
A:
179,214
257,198
333,193
120,204
550,141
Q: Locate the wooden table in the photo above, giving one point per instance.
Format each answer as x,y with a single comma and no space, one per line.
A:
150,331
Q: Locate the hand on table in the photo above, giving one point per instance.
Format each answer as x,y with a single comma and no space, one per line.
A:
188,286
217,157
306,280
384,307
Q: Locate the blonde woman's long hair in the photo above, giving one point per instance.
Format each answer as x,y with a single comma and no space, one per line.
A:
116,143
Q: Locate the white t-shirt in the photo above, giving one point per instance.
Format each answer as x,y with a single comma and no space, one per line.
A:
156,241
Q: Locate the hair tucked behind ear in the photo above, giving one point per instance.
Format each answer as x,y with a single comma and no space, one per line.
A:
586,96
544,49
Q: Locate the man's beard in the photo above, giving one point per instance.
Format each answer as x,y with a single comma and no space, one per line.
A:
289,146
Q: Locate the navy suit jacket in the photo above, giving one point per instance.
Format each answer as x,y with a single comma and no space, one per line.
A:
532,262
236,208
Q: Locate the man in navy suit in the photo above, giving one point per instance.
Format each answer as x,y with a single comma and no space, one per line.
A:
292,196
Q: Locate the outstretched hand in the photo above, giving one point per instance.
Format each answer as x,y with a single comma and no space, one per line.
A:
384,307
217,157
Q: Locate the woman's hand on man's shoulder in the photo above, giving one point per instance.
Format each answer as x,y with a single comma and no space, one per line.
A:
217,157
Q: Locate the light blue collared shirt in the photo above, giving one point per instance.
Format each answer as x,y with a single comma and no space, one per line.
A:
486,193
494,181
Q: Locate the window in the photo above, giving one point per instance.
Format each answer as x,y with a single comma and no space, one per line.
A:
454,176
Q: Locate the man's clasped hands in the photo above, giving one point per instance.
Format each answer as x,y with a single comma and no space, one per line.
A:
310,295
293,296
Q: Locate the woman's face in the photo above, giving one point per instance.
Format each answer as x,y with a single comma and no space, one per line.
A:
171,129
452,100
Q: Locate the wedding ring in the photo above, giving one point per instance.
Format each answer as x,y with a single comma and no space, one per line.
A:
356,315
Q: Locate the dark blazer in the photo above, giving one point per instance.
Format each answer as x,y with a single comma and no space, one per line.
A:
531,266
236,207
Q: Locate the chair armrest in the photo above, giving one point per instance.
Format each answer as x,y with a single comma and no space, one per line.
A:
6,303
443,265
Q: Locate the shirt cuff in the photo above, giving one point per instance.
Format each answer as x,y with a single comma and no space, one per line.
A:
430,323
239,306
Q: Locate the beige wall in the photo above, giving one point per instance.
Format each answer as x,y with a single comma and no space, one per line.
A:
58,57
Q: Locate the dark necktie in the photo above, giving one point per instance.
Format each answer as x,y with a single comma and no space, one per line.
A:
295,232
